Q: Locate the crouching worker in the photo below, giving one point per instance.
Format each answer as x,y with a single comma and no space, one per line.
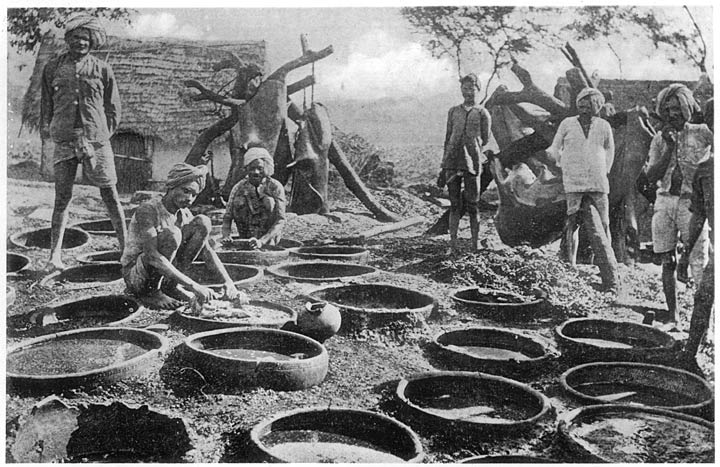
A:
256,203
164,238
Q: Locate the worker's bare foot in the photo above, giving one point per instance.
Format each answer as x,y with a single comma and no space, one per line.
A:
159,301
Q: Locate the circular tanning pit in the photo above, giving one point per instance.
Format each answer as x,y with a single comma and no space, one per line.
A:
264,256
83,357
102,310
240,275
40,238
320,271
620,433
492,350
101,257
509,459
16,263
255,314
87,275
498,304
271,358
639,383
364,306
472,402
338,435
99,227
590,340
350,254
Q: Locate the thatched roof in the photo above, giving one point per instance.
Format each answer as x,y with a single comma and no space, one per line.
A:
150,75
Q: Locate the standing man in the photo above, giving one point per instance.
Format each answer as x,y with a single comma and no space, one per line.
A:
584,149
675,154
468,130
80,109
165,238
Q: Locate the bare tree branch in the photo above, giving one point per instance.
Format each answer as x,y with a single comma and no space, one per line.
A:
208,95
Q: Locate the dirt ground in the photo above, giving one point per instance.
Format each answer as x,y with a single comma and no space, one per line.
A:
364,367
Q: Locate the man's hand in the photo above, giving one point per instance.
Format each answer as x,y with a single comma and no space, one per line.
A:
226,240
203,294
256,243
669,134
232,293
682,268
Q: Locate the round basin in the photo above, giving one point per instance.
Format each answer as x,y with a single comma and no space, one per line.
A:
99,227
639,383
320,271
101,310
351,254
100,257
625,433
264,256
338,435
243,243
241,275
16,262
365,306
590,339
271,358
259,314
82,357
40,238
493,350
510,459
472,401
87,275
500,305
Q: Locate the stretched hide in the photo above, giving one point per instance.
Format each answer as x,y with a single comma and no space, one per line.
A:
532,209
310,167
260,122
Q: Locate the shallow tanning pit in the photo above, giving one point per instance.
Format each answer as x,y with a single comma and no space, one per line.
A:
40,238
338,435
99,227
509,459
16,262
472,402
83,357
639,383
500,305
100,257
89,275
589,340
264,256
105,310
493,350
619,433
280,360
320,271
240,275
366,306
256,314
350,254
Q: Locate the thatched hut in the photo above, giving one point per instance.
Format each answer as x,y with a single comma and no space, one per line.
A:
160,120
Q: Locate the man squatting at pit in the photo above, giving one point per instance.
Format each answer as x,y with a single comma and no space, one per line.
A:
164,239
80,109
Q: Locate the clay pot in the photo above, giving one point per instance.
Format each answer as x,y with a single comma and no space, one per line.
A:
319,320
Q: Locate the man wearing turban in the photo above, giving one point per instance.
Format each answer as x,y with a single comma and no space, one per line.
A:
584,149
80,110
675,153
164,238
256,203
463,163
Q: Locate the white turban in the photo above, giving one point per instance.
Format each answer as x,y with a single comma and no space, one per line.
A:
688,104
98,37
253,154
597,100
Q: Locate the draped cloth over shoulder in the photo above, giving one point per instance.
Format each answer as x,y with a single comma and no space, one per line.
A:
183,173
98,35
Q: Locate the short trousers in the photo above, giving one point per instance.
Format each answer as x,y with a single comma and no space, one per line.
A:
470,190
600,200
99,170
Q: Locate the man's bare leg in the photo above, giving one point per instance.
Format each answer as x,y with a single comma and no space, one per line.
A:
168,243
194,237
111,198
571,239
669,264
64,181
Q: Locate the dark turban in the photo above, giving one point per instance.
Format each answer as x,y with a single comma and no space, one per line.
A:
183,173
471,78
98,37
685,97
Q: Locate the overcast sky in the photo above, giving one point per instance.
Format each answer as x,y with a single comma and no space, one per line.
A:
377,55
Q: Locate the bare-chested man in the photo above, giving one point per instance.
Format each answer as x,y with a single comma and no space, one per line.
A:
164,239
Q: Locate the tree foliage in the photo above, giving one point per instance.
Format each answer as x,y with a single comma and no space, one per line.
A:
680,32
26,25
497,33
